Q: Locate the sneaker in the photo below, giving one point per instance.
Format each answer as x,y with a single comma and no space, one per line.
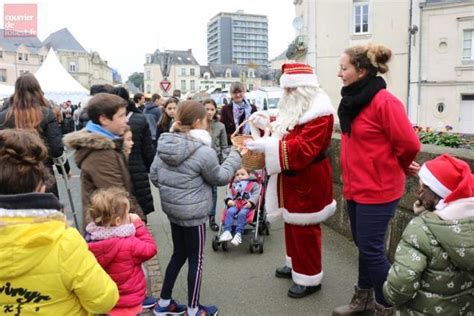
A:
210,310
237,240
149,302
226,236
174,308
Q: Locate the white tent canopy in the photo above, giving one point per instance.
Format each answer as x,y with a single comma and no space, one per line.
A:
57,84
6,91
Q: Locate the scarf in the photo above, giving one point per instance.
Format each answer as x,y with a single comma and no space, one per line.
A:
96,128
241,112
355,97
102,233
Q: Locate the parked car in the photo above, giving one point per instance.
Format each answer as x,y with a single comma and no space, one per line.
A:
267,98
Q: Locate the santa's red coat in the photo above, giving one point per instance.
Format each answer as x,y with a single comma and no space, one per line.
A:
300,187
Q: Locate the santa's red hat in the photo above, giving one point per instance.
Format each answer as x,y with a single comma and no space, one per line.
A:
298,75
448,177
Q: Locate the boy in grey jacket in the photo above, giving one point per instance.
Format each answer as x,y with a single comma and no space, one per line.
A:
242,197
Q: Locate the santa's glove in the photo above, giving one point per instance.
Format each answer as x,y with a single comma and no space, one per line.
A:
260,119
257,146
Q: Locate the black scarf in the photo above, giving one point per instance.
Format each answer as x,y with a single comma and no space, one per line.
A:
355,97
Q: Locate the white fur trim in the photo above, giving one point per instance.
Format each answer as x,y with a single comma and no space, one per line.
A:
320,106
303,219
307,280
288,262
201,135
434,184
30,213
272,155
301,80
271,199
456,210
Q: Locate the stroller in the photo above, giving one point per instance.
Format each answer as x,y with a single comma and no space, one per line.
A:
257,224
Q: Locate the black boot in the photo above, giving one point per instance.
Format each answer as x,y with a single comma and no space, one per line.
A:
300,291
212,223
283,272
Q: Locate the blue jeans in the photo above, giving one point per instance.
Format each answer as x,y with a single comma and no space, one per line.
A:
369,224
241,219
212,212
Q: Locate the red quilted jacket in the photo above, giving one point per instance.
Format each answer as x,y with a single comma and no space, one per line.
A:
122,258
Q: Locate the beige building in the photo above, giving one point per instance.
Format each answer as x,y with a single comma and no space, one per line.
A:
325,28
19,55
179,67
87,68
432,68
444,89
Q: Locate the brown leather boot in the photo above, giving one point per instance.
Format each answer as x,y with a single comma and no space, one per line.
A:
381,310
362,300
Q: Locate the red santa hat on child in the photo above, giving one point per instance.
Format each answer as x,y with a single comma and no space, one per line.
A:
298,75
448,177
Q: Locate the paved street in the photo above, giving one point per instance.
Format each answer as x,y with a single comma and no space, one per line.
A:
241,283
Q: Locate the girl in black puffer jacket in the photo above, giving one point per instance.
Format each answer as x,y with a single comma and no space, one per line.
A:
142,153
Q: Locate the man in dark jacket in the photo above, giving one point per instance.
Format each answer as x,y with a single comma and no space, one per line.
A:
152,113
237,111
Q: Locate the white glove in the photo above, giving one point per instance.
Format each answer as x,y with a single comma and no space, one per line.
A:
257,146
260,119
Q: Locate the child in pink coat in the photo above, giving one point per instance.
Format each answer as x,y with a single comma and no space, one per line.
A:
121,243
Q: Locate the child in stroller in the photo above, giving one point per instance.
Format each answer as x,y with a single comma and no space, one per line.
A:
242,198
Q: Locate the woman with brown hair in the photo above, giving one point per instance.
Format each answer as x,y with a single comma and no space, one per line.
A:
28,109
167,118
378,148
45,262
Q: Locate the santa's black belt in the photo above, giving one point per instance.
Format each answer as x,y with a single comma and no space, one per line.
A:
318,158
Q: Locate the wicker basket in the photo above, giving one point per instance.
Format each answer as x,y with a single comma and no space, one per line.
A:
250,160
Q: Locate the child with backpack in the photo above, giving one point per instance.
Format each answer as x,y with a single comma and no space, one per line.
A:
184,170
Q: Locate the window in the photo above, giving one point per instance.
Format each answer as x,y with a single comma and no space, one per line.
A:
148,75
41,58
183,71
26,57
72,67
183,85
1,54
20,56
148,88
193,85
228,73
468,45
3,75
192,72
361,18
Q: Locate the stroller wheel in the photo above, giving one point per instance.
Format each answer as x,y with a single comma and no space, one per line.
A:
215,243
225,246
256,245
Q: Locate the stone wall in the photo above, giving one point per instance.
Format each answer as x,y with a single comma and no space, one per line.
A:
404,213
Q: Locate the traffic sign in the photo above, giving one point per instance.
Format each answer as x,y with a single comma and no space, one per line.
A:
165,85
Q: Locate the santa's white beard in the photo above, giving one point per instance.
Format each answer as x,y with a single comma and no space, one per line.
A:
291,107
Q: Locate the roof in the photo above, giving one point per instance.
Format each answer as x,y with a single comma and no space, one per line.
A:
10,44
219,70
174,57
63,40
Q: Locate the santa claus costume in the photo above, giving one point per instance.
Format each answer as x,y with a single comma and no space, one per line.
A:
300,184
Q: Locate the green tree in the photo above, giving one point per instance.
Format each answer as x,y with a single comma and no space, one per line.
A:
137,79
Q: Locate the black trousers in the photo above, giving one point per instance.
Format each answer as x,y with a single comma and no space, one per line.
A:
188,244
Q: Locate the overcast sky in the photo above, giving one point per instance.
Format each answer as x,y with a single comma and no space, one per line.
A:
124,31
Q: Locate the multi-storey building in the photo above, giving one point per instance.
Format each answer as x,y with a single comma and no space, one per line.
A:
238,38
19,55
432,43
179,67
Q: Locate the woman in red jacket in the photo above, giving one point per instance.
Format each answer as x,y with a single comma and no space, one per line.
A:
378,150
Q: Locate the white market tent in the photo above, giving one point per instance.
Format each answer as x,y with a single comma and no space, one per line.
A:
6,90
57,84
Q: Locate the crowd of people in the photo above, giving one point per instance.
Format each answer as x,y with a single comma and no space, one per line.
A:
185,149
